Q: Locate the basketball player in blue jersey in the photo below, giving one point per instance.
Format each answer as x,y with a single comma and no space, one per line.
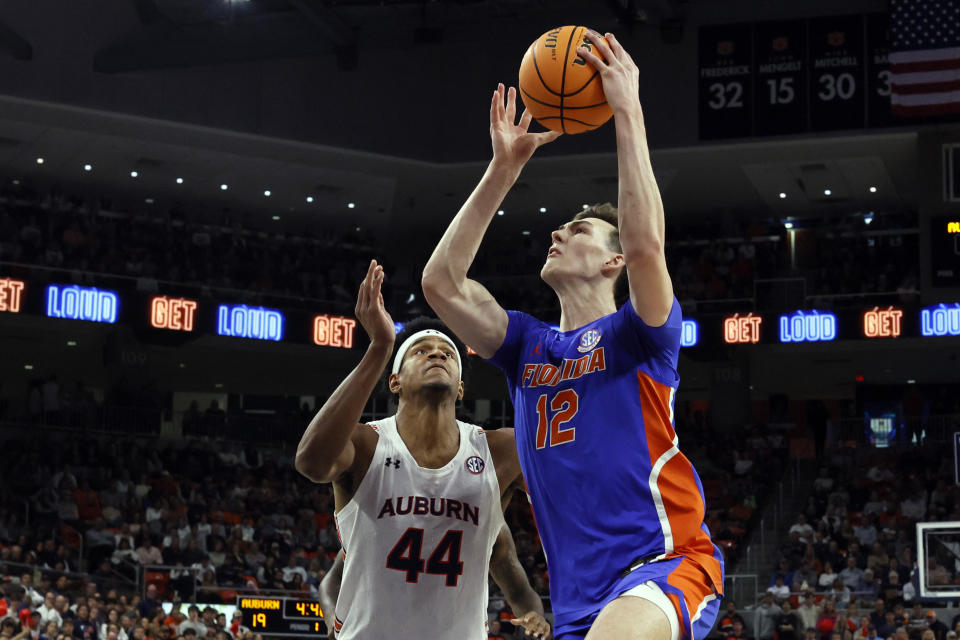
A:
619,509
418,495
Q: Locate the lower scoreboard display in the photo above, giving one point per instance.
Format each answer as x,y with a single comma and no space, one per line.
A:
282,616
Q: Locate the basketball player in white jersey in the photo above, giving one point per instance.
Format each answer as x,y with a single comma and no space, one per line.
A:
417,495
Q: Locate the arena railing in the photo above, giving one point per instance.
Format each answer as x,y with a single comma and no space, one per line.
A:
76,580
741,588
819,595
105,418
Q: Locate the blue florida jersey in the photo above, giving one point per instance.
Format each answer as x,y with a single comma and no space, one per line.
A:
596,441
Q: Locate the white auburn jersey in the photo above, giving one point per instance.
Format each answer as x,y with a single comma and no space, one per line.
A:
417,543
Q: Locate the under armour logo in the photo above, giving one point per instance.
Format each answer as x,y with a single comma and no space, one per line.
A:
395,463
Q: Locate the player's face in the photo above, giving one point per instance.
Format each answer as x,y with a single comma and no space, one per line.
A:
430,363
580,249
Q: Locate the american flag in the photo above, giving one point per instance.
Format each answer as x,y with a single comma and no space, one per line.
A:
925,57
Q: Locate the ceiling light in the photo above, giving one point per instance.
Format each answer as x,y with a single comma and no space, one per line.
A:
827,192
309,199
788,225
28,367
266,192
526,233
358,228
39,160
543,209
149,200
134,174
911,381
500,212
218,385
183,365
88,167
873,189
586,206
782,195
351,205
276,217
868,218
16,182
223,187
179,180
71,343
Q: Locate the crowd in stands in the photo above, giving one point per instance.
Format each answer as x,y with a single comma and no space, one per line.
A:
234,252
848,568
86,519
224,517
714,260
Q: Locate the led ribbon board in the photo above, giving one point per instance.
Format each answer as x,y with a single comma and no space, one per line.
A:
882,323
82,303
689,333
739,329
241,321
172,313
11,292
333,331
808,326
940,320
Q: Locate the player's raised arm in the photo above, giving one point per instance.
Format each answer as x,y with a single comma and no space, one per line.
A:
508,573
641,220
327,449
463,304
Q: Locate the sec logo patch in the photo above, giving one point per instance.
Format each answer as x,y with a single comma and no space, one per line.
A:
589,340
475,464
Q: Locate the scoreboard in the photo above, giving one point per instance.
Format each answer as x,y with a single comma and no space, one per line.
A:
282,616
794,76
945,250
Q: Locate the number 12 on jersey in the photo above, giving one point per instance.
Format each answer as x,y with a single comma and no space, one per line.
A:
564,405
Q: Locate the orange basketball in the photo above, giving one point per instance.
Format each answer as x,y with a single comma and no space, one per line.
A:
559,88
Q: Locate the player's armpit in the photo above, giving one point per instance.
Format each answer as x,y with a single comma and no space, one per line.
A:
470,311
651,289
354,458
503,449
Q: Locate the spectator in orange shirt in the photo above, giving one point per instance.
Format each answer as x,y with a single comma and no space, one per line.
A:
88,502
494,632
738,632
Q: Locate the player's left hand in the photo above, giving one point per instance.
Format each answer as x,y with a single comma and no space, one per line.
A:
535,624
618,71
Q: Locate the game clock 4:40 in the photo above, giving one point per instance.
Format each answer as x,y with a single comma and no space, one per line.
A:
282,616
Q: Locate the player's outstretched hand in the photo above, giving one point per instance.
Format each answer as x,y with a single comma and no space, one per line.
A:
513,144
370,311
618,71
535,624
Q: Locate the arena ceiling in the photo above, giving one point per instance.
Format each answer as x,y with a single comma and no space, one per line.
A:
695,182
